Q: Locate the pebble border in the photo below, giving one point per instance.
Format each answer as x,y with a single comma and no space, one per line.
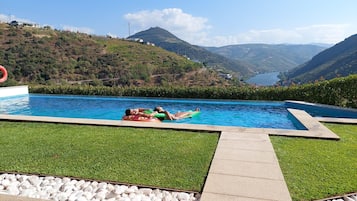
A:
348,197
67,189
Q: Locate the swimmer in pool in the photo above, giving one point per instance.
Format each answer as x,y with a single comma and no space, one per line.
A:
176,116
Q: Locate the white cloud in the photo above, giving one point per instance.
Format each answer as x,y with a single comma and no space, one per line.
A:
196,30
183,25
4,18
9,18
77,29
323,33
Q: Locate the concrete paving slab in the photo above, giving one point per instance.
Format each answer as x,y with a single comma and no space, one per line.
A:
246,145
257,188
314,127
4,197
238,135
245,166
246,169
336,120
221,197
245,155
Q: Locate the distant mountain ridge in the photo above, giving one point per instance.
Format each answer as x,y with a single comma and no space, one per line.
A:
337,61
304,63
268,57
164,39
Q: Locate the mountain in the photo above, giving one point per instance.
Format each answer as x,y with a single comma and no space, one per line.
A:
166,40
337,61
35,55
269,58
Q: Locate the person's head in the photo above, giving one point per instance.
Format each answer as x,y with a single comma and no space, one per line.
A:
131,111
158,109
127,112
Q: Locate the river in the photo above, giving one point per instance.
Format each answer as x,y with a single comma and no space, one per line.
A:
264,79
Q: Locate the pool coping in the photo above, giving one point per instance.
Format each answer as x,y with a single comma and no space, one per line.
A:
314,128
244,166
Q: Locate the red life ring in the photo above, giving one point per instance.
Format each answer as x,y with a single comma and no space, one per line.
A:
4,74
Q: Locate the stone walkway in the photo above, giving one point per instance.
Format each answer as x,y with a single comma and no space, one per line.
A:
244,167
4,197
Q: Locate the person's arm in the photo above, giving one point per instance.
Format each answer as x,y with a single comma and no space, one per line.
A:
145,115
170,116
143,109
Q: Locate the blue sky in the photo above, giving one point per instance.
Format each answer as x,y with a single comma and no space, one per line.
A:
199,22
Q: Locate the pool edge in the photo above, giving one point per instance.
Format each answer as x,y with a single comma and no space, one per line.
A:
13,91
315,129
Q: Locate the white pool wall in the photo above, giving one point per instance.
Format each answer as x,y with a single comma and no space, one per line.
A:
13,91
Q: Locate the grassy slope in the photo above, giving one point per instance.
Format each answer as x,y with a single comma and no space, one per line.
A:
316,169
164,158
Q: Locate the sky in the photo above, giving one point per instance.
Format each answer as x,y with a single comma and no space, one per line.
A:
199,22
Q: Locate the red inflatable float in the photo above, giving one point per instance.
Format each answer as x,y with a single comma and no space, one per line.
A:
141,118
4,74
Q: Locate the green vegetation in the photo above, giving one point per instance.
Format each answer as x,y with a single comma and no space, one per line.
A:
334,92
316,169
269,57
337,61
44,56
164,158
170,42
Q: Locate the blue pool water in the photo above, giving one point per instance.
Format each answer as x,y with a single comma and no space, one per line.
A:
213,112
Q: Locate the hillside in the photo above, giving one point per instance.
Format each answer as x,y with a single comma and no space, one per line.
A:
46,56
337,61
170,42
269,58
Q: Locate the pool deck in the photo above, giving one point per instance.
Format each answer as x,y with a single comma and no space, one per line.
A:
244,166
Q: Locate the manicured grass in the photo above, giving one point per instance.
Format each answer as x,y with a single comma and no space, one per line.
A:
316,169
163,158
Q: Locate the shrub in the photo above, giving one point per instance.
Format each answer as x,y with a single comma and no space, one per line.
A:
339,92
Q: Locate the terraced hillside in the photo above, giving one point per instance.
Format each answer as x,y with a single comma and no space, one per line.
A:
46,56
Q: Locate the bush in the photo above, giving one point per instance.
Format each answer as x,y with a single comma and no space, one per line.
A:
339,92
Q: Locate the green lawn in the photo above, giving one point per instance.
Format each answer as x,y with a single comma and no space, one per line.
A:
316,169
163,158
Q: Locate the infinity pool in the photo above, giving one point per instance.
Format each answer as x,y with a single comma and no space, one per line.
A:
213,112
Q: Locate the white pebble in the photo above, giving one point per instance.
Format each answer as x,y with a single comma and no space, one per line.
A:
110,195
62,196
27,192
66,189
124,199
12,190
183,196
145,191
34,180
131,189
65,180
120,189
88,189
101,195
80,183
88,195
348,199
5,182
